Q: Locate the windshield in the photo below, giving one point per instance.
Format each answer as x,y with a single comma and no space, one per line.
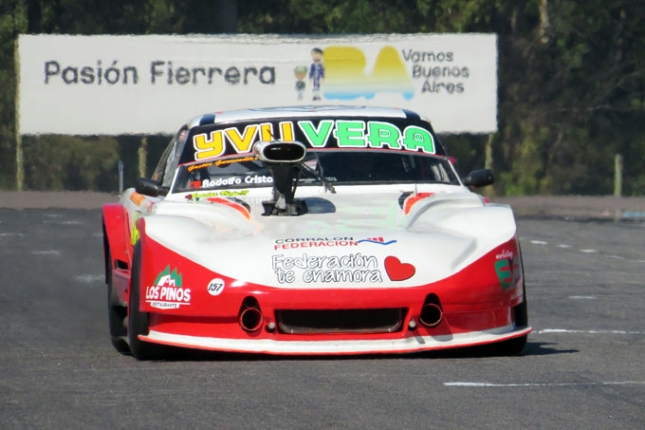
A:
340,167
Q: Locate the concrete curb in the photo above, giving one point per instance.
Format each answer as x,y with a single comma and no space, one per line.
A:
61,200
585,207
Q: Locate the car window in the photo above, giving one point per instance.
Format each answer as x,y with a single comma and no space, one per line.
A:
165,170
159,171
338,167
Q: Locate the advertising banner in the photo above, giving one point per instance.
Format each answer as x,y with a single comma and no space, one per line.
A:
113,85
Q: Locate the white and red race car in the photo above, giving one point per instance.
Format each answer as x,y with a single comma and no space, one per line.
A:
311,230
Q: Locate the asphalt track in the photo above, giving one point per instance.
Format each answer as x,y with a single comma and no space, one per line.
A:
583,366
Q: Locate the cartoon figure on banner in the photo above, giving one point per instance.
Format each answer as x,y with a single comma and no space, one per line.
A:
301,73
316,72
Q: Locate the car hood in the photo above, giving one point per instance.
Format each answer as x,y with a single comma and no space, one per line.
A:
356,240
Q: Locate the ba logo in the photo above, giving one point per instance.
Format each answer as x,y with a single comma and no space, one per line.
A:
345,77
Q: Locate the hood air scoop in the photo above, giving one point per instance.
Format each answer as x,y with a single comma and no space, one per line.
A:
284,160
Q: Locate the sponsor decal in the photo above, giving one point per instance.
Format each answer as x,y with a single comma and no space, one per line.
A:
215,287
412,199
134,231
398,271
313,242
507,268
329,133
321,242
236,180
350,268
225,193
199,166
167,292
235,203
137,198
236,160
377,240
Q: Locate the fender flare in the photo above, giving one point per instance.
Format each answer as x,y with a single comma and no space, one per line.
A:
115,234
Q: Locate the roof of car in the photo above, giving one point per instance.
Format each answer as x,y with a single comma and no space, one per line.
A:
302,112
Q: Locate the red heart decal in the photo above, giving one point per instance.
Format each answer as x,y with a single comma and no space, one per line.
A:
398,271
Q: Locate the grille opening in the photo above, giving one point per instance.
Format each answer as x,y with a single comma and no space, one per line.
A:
340,321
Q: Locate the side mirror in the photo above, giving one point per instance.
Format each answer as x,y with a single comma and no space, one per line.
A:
479,178
148,187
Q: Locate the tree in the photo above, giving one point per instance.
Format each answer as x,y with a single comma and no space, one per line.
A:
571,78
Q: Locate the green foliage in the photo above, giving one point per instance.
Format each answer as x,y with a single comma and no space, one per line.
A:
571,81
468,151
525,173
12,23
59,163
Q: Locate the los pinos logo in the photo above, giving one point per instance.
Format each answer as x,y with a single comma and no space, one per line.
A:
167,291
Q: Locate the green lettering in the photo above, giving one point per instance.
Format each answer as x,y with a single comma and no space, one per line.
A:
416,137
504,273
316,137
383,133
350,133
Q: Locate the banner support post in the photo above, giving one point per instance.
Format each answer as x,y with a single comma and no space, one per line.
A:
488,163
20,167
143,155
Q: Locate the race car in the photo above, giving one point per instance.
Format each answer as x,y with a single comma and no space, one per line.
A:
323,230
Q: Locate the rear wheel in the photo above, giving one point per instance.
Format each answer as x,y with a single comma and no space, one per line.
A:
116,311
138,322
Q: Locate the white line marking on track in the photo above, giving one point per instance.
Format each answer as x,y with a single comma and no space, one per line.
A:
11,234
46,252
583,297
562,330
70,222
583,250
88,279
538,384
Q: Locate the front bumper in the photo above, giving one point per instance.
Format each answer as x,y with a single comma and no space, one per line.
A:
477,306
329,347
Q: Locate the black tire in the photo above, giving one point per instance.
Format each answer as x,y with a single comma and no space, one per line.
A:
116,311
522,311
512,347
515,346
137,320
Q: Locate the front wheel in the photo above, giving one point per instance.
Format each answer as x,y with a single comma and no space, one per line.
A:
515,346
510,347
116,311
138,321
